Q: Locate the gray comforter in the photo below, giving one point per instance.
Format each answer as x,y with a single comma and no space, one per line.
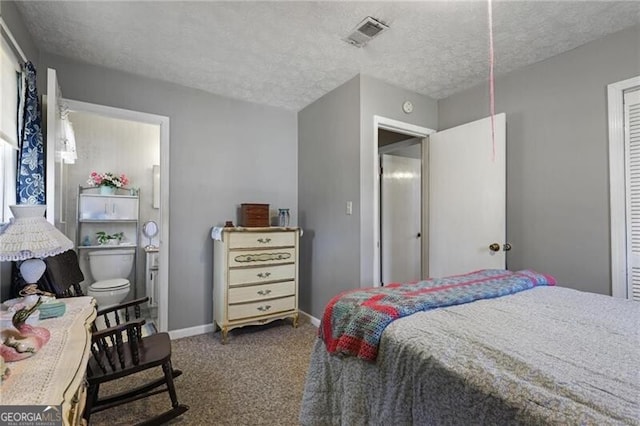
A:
542,356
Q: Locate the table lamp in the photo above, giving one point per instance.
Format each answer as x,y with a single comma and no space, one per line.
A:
28,237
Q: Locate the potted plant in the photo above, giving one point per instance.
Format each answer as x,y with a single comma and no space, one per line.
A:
104,238
108,182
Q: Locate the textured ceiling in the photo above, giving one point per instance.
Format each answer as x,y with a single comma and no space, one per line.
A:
288,54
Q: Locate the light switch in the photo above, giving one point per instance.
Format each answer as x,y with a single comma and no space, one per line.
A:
349,207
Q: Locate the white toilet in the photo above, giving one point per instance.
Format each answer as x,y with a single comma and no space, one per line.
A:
110,269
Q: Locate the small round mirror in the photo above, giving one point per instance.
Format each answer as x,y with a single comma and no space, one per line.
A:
150,230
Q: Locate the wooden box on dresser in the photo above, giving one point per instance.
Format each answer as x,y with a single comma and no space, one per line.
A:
255,276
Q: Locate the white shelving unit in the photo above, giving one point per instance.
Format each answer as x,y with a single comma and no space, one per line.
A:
109,213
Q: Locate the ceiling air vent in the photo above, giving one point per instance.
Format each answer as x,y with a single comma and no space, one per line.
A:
365,31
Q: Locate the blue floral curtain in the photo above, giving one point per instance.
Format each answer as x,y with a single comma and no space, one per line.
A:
31,173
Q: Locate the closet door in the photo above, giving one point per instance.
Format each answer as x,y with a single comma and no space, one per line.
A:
632,178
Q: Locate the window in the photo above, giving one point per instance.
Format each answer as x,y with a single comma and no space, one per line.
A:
10,75
8,159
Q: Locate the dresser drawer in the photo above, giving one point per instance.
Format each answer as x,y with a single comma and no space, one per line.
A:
265,274
260,292
264,307
272,256
261,239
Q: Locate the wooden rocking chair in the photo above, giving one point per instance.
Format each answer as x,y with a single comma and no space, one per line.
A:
120,350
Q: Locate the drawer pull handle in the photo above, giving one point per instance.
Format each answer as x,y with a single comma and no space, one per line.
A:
264,308
264,240
261,257
264,274
263,292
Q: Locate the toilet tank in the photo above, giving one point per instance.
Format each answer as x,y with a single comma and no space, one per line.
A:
111,263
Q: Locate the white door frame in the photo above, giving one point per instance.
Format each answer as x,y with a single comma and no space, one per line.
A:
390,124
615,94
163,122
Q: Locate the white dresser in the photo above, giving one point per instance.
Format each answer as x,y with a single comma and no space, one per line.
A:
255,276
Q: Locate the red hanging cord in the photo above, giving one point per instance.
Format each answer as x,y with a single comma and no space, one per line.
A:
492,108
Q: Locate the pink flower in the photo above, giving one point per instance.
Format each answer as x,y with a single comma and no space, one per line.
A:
107,179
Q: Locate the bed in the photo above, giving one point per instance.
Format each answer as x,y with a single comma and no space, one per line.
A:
542,355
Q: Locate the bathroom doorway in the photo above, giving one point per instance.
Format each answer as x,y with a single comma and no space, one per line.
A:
137,144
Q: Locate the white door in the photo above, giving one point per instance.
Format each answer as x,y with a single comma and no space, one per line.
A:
54,164
400,214
632,195
467,198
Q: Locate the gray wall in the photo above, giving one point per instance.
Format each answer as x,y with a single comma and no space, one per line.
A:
223,152
328,177
557,156
335,162
382,99
557,199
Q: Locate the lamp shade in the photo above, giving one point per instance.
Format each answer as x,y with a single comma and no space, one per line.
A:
28,235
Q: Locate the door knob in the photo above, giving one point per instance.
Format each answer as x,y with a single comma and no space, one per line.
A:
506,247
494,247
419,235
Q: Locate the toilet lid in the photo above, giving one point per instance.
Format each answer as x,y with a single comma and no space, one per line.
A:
109,285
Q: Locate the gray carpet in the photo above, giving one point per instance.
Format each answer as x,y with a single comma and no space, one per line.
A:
257,378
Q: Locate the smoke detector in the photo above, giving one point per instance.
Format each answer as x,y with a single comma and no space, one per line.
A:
365,31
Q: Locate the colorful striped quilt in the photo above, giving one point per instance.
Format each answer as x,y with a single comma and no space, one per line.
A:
353,321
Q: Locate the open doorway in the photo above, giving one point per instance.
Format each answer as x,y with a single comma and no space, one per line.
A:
463,196
111,139
400,145
401,207
108,144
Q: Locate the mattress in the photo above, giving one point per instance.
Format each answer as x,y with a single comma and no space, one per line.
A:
545,355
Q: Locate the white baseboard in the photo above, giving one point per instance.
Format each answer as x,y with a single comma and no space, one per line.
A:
191,331
208,328
314,321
